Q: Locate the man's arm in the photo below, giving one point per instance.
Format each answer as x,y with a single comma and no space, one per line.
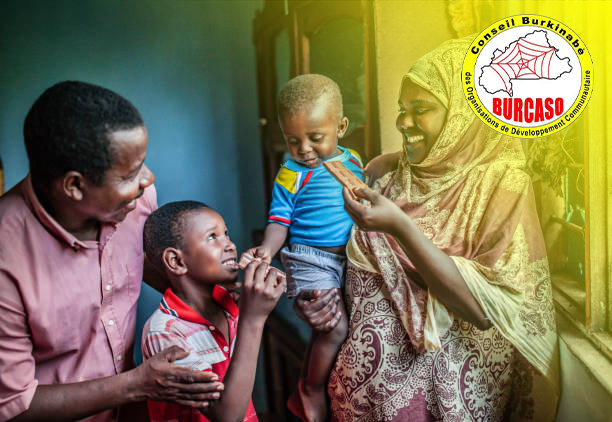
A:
156,379
259,295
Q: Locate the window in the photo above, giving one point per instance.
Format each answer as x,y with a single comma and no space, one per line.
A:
573,185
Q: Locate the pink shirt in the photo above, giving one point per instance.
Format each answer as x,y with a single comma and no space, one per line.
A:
67,307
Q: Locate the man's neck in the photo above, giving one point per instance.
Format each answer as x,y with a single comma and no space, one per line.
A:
80,228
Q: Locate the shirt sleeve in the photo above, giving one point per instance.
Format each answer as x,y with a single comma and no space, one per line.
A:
355,164
17,366
283,197
156,341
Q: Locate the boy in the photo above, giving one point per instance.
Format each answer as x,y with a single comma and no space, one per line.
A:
307,207
189,243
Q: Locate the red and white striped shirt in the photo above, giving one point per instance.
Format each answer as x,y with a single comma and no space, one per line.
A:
175,323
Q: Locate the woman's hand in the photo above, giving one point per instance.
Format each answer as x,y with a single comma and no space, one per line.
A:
383,216
319,311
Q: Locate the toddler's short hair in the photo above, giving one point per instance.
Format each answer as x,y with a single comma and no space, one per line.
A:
165,228
305,90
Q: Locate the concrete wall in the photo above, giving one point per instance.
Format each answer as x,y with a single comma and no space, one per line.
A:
405,30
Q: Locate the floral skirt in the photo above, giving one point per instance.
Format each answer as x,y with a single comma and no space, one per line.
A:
475,376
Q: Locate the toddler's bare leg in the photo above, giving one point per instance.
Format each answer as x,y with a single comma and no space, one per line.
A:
320,358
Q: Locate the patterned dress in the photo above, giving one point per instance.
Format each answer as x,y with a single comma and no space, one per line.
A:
406,357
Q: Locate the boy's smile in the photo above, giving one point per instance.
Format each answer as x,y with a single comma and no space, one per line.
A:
209,254
312,133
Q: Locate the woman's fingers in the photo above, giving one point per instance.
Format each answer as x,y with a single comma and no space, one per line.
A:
354,209
367,194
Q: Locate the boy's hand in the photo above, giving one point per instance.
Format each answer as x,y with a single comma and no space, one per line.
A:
262,286
159,379
258,253
234,292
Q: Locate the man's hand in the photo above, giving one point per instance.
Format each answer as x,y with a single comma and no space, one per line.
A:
383,216
319,311
160,380
262,286
258,253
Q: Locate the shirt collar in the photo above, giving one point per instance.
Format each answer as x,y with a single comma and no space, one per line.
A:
45,219
344,155
174,305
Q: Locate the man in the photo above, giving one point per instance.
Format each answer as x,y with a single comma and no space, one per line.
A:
71,264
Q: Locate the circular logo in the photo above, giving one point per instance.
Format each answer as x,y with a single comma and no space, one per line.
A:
527,76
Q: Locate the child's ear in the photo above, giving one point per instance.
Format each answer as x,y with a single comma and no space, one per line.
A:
172,260
342,127
72,184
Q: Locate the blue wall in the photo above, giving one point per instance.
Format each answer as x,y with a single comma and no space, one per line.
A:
188,66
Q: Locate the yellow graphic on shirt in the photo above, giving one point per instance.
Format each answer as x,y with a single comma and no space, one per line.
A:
288,179
356,155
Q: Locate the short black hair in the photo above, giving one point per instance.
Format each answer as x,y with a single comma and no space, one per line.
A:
68,128
165,228
304,91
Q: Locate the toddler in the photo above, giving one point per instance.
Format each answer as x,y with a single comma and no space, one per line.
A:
307,208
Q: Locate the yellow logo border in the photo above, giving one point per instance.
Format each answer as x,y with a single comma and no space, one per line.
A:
553,126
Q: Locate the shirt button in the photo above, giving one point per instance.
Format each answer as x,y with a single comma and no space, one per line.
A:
211,328
119,357
225,348
111,322
108,287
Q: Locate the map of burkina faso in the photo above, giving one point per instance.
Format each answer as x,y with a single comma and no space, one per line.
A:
530,57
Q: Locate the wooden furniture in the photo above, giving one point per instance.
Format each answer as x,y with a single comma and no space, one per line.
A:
283,355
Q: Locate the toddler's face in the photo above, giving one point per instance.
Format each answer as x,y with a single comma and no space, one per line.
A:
209,254
312,134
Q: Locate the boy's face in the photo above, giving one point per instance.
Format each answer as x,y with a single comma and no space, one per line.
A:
124,182
312,134
208,253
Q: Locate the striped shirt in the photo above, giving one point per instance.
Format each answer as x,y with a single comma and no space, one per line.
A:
175,323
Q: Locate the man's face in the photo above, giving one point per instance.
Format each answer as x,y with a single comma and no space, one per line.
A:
208,253
124,182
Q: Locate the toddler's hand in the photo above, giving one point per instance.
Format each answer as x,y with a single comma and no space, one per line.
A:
258,253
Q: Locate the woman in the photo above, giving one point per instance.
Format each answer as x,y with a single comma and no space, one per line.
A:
447,288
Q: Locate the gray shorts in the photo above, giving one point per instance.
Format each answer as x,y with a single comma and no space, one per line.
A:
310,268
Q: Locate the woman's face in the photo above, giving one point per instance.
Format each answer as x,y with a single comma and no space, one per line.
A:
420,120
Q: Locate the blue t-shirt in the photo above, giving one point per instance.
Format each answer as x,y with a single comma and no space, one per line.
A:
309,201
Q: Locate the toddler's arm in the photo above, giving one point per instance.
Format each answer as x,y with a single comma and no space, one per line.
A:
259,295
274,238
